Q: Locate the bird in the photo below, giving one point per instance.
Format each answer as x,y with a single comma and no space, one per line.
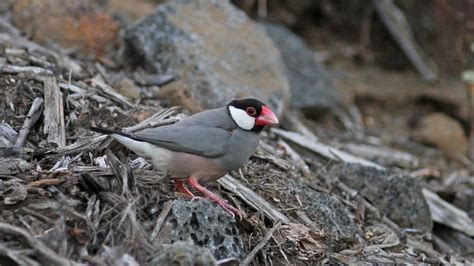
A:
202,147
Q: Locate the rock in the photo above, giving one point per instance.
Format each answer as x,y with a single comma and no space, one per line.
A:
126,87
69,23
311,84
207,225
396,195
444,132
184,254
325,212
466,202
130,9
216,52
329,214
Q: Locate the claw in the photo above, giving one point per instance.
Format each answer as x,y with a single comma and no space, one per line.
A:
196,198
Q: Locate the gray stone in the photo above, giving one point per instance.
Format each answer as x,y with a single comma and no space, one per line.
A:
329,214
396,195
184,254
311,84
216,52
207,225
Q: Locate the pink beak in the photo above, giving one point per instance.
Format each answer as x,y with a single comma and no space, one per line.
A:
266,118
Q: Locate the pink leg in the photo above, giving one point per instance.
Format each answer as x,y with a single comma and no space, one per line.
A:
208,194
180,186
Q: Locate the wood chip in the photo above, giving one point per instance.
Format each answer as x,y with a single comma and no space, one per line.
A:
53,113
46,182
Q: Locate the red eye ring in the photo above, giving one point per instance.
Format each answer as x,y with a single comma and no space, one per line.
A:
251,111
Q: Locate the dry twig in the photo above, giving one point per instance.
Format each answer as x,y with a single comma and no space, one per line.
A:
322,149
98,82
10,69
33,116
45,254
253,199
447,214
161,219
46,182
397,25
260,245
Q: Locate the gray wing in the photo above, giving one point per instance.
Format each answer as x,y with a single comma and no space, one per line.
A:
200,140
206,134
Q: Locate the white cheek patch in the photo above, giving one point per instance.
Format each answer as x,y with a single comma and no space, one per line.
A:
241,118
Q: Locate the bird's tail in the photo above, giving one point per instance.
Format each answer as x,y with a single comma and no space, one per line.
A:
129,141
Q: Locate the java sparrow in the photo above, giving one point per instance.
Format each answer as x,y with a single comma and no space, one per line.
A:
202,147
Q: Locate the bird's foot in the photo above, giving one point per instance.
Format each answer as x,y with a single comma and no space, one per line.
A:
180,186
210,195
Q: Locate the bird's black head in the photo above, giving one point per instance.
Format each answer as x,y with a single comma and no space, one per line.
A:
251,114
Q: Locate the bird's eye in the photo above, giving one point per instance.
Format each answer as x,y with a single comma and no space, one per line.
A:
251,111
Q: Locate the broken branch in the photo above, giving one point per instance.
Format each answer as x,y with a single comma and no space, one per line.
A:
33,116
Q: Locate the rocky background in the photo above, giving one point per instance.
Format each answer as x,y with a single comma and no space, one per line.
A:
370,165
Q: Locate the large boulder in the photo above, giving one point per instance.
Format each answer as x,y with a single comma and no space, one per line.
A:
311,84
216,52
71,24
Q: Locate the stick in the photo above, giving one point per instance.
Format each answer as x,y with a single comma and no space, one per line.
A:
299,162
11,69
20,257
447,214
167,121
253,199
35,112
53,113
260,245
468,78
384,155
44,253
161,219
398,27
46,182
98,82
323,149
